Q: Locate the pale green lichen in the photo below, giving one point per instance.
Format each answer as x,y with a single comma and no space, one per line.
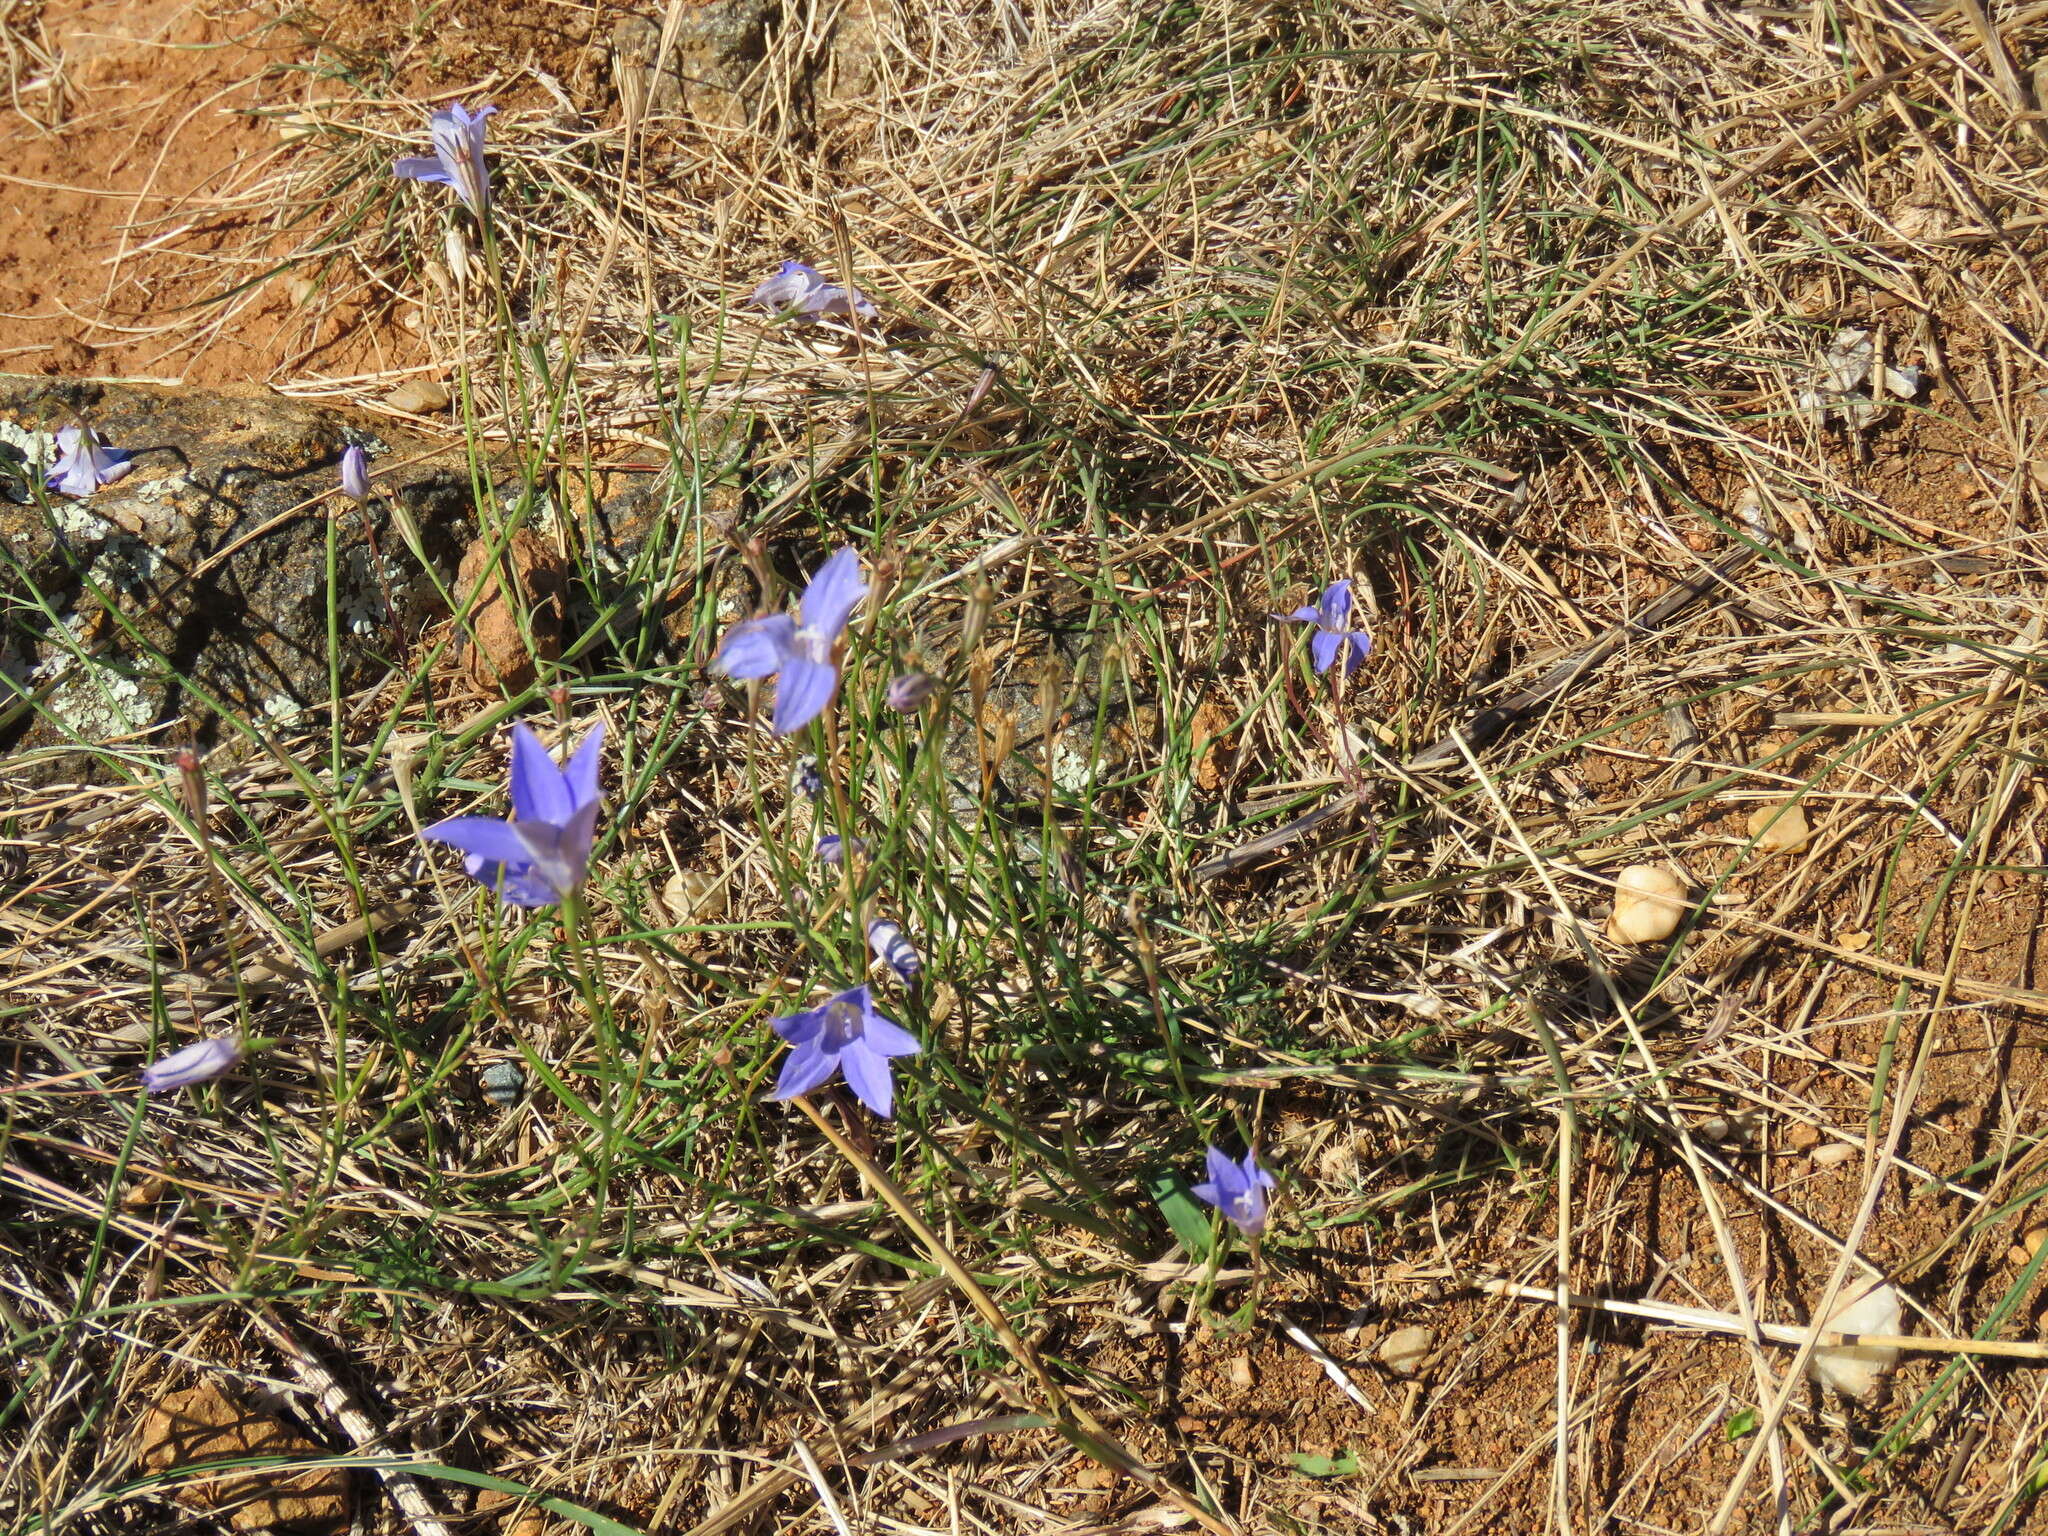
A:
91,700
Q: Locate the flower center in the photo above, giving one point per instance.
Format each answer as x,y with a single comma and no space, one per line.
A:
814,645
843,1024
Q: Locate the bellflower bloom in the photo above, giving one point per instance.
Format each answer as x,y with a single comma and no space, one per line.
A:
458,157
85,464
1238,1190
832,848
1332,632
541,854
800,290
355,473
894,950
798,654
200,1062
846,1035
907,693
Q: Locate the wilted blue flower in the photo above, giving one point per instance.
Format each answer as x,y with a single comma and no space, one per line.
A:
847,1035
832,848
908,692
85,463
200,1062
893,950
800,290
805,777
540,855
1330,616
458,157
798,655
355,473
1238,1190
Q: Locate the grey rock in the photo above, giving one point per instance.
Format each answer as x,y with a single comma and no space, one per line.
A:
705,73
198,584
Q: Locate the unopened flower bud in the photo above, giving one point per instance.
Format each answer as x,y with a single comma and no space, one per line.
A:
355,473
191,782
199,1062
894,950
456,247
908,692
975,620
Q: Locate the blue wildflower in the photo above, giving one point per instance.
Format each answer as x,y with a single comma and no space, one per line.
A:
458,157
1238,1190
1333,634
542,853
85,463
844,1034
798,655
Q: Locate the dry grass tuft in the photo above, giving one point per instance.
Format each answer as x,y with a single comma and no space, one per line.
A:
1525,317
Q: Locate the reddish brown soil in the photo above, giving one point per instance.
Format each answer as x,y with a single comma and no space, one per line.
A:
144,134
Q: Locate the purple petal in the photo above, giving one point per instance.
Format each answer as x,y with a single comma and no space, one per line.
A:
1208,1194
552,851
1249,1212
110,464
355,473
538,792
789,288
485,838
1299,616
802,692
522,887
756,647
885,1037
459,144
1359,646
1335,606
833,299
1254,1174
804,1069
867,1074
580,833
796,1028
422,168
73,475
1223,1173
199,1062
1323,646
581,774
835,590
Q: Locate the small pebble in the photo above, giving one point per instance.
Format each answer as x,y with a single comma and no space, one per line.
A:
503,1082
1833,1153
421,397
1405,1349
1779,827
691,894
2023,1251
1649,903
1803,1137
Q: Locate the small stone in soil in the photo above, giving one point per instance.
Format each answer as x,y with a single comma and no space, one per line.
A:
421,397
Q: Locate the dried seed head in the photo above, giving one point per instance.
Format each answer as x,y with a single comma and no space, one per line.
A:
191,782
